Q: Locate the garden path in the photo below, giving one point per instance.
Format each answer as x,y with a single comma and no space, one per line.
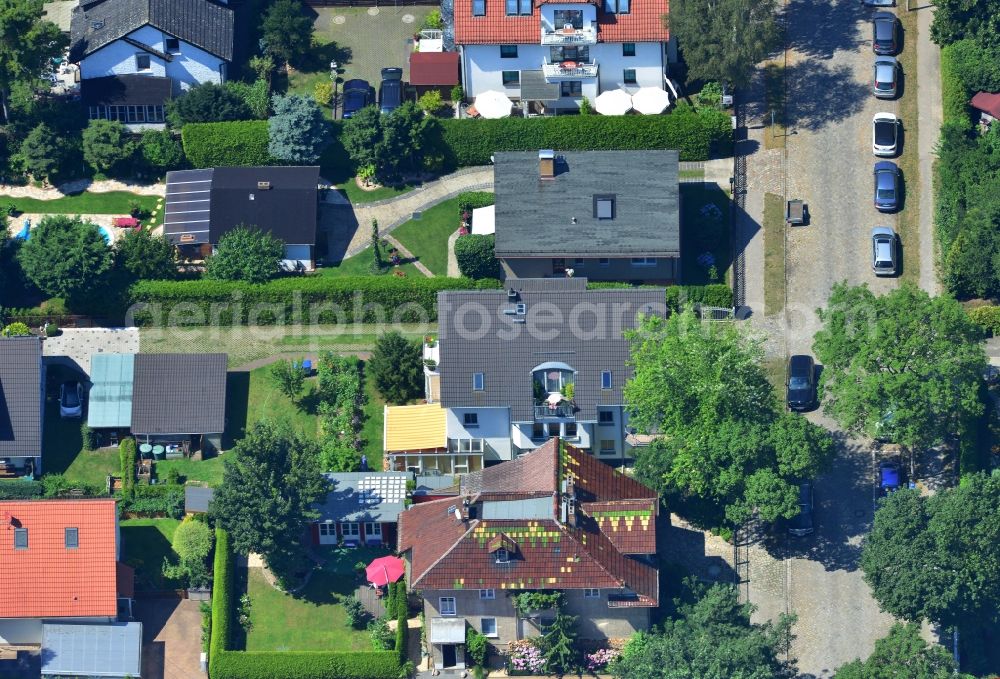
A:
79,186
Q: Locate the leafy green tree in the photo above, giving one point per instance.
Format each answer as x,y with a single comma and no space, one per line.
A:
957,19
287,31
246,254
207,103
271,480
396,368
711,638
288,378
902,654
145,256
938,558
724,40
361,134
431,101
904,360
403,140
106,143
27,45
43,152
297,132
377,263
559,644
66,257
256,95
193,543
161,150
803,449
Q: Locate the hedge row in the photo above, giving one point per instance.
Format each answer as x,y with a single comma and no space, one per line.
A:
471,200
954,94
715,294
287,301
695,134
402,614
145,500
19,489
222,600
234,143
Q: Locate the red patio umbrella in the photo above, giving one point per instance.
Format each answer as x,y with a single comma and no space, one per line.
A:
384,570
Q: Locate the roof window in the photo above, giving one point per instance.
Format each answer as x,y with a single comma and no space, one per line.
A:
72,538
604,207
20,538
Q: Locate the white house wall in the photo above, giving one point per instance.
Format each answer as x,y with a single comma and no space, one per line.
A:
494,427
191,66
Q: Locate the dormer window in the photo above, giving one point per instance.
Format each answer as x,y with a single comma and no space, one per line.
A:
478,8
502,555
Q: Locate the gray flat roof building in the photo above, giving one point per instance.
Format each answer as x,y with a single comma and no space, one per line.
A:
112,650
179,394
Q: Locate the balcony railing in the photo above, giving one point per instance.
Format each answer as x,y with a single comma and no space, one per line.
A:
575,36
575,70
547,411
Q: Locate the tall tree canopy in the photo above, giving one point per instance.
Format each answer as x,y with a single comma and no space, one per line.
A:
287,31
723,40
902,654
938,557
298,131
396,368
270,481
27,45
711,638
905,365
246,254
106,143
66,257
145,256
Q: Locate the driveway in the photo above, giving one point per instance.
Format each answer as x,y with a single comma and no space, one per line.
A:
171,638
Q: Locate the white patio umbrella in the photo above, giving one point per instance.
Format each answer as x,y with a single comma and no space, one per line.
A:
493,104
613,103
650,100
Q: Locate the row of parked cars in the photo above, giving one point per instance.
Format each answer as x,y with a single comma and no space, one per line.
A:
359,93
885,141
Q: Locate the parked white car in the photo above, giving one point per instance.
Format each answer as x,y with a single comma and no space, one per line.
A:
885,135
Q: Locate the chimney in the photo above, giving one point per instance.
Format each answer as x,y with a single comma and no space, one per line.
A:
547,164
263,186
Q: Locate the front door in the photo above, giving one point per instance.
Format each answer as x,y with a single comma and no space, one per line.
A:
448,658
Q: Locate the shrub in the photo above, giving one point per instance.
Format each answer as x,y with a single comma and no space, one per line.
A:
987,317
88,438
51,329
222,600
305,665
714,294
323,93
127,457
257,96
355,611
402,629
16,329
383,638
159,149
206,625
207,103
20,489
457,93
476,647
158,500
430,101
246,254
57,485
476,256
954,94
298,130
433,20
238,143
471,200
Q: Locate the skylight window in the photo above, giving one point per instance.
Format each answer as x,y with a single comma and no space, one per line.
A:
604,207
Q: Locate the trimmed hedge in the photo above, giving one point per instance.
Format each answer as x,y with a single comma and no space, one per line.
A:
402,614
954,94
284,301
471,200
715,294
234,143
222,599
475,254
19,489
987,317
695,134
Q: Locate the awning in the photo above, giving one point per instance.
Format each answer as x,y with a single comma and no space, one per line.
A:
447,631
111,394
419,427
112,650
484,220
433,68
535,88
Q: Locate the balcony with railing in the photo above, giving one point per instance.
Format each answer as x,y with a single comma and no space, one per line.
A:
568,70
569,35
555,411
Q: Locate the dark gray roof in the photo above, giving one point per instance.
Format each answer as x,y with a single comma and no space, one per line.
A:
203,205
205,24
20,397
444,484
92,650
179,394
373,497
534,87
507,351
197,499
146,90
534,216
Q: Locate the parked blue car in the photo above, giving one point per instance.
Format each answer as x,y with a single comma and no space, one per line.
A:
887,185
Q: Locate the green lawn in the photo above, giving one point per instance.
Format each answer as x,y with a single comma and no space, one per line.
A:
774,253
358,195
704,230
265,402
427,237
62,451
206,471
111,203
360,265
145,543
314,620
371,430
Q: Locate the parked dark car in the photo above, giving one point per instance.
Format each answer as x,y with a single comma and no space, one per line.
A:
357,94
800,386
390,91
802,524
884,33
886,186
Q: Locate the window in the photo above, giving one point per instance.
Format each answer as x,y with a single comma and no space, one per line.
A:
20,538
604,207
604,261
567,17
571,431
515,7
579,261
172,45
470,419
569,53
508,51
489,627
571,88
142,62
478,381
487,594
589,593
605,417
446,605
607,447
502,555
478,8
350,530
328,530
373,530
628,49
538,432
644,261
616,6
606,379
72,538
511,78
628,75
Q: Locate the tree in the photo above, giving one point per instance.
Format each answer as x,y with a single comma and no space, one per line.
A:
396,368
559,644
271,479
287,31
377,263
193,543
246,254
402,143
957,19
66,257
724,40
145,256
159,149
938,558
297,132
903,654
207,103
27,45
256,96
288,378
712,638
361,134
43,152
904,360
106,143
803,449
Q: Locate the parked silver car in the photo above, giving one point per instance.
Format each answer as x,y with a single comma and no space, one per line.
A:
886,71
885,135
884,259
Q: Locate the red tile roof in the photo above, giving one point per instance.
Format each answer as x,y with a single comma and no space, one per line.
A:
588,551
643,24
434,68
987,103
48,580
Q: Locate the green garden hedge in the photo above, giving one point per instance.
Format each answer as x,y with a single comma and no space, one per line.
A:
19,489
222,600
235,143
715,294
287,301
954,94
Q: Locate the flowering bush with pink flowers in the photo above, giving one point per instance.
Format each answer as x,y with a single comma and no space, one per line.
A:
525,655
602,658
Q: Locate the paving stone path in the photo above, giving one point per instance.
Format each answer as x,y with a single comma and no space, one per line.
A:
79,186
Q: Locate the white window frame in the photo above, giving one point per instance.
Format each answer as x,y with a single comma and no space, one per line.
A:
478,381
502,555
373,530
356,533
487,594
446,606
482,626
644,261
591,593
20,536
327,529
